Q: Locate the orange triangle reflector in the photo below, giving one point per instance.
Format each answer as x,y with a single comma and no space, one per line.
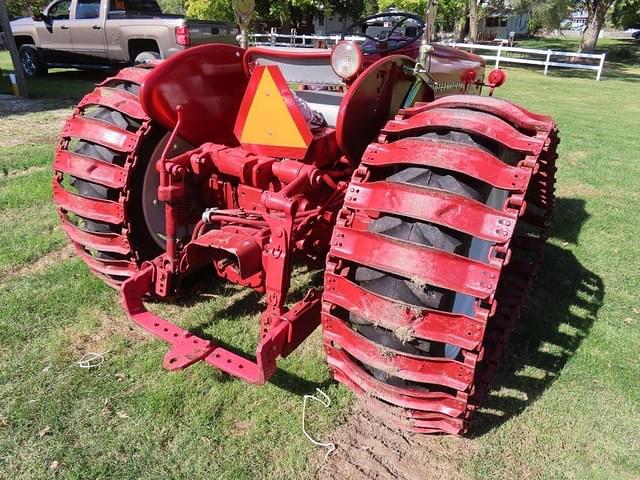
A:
269,121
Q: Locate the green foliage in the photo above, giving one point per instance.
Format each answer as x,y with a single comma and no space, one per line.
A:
20,8
414,6
626,13
173,6
448,10
209,9
545,14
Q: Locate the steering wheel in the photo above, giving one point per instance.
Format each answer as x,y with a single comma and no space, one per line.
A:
381,42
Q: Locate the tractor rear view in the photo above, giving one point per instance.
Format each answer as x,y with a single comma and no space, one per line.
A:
426,204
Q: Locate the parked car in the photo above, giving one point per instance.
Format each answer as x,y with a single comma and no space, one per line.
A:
636,35
108,33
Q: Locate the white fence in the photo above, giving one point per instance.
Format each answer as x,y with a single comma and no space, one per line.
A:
292,39
545,58
498,53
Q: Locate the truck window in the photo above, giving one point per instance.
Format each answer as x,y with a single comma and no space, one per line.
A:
148,7
87,9
60,10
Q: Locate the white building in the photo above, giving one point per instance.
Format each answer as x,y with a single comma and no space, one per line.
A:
503,24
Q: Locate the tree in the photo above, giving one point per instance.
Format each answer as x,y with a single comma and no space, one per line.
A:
413,6
210,9
473,20
450,12
596,13
461,23
177,7
545,14
20,8
626,13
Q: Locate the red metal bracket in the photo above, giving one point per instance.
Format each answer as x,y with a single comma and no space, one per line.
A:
479,123
432,370
467,159
435,206
445,327
187,349
421,264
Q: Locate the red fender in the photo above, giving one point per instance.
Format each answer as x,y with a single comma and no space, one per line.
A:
209,82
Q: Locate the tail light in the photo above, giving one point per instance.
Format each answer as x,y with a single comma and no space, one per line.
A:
182,36
347,59
496,78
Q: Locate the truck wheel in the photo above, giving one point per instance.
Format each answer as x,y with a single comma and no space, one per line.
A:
31,61
434,255
146,57
107,151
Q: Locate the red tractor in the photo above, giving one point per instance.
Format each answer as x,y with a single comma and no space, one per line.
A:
426,204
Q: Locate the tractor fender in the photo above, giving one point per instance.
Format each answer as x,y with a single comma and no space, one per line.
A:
208,82
373,99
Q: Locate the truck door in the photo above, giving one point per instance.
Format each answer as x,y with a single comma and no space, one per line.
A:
54,34
87,32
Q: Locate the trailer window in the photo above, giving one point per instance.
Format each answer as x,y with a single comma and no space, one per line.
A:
87,9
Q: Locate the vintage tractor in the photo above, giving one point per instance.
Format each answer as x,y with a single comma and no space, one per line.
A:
426,204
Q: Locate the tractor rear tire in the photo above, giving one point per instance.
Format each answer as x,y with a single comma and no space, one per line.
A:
419,347
104,151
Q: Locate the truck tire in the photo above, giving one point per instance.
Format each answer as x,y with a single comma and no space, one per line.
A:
146,57
434,255
31,61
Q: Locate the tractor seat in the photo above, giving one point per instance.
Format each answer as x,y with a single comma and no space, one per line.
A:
324,102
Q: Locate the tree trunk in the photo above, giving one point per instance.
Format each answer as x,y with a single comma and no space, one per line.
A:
597,10
461,23
473,20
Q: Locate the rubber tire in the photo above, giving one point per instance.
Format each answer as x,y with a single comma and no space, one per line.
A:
145,57
38,68
421,233
141,240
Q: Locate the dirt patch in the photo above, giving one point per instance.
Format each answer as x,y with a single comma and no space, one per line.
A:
574,158
42,263
22,173
96,339
368,449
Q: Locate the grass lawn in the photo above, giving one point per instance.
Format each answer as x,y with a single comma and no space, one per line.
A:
567,397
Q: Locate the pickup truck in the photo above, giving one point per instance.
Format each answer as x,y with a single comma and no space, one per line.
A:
90,34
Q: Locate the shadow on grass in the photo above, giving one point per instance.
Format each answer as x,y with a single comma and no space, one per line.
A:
560,314
58,89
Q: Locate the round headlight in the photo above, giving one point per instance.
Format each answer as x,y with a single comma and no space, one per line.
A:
347,59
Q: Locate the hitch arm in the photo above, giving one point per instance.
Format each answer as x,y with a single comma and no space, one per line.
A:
187,349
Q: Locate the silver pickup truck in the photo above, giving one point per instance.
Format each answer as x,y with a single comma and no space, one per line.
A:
108,33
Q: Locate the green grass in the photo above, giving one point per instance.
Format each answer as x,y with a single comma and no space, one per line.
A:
567,397
59,83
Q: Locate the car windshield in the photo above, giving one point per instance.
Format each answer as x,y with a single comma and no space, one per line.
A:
137,6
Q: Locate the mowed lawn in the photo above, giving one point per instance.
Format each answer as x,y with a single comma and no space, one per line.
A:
567,397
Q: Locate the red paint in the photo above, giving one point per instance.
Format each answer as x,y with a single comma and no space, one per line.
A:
373,98
275,205
209,82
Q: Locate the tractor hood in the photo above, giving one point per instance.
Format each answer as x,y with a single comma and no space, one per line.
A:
449,65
